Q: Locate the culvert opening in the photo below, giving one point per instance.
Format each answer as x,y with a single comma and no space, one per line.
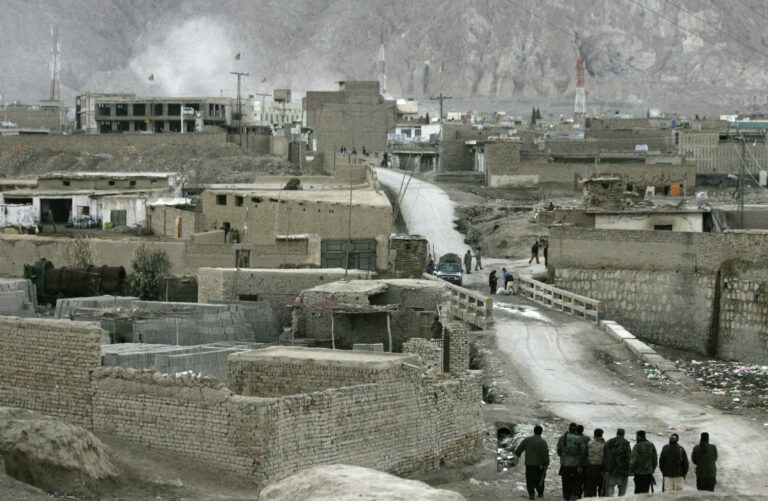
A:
505,446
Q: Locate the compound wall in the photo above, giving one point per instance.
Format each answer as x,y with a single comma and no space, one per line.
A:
698,291
278,287
45,366
107,143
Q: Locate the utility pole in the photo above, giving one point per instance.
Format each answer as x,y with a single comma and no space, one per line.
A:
743,163
239,106
441,98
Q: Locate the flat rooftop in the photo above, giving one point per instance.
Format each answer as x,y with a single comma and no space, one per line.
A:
324,356
359,197
368,287
106,175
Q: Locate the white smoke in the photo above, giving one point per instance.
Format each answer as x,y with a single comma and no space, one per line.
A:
194,59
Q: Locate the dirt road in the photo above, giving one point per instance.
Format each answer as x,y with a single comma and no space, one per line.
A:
427,211
555,354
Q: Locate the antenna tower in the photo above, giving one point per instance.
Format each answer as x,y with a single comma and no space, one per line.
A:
580,103
382,66
55,93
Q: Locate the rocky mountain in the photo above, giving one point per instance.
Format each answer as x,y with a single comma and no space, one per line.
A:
713,57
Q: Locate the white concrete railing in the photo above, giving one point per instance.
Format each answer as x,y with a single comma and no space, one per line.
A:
557,299
470,306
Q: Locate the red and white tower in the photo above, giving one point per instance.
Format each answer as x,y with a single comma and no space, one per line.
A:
580,103
55,94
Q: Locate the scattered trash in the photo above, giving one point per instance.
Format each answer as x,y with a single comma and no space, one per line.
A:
746,384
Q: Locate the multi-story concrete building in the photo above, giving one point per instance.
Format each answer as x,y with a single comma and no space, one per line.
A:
105,113
279,111
356,117
717,153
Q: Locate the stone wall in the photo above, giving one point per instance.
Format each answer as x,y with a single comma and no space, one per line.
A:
278,287
670,308
680,289
45,366
162,221
743,329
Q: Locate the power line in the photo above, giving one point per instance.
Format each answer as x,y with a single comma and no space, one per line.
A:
751,9
717,29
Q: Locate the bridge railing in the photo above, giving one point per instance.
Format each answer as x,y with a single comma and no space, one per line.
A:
470,306
557,299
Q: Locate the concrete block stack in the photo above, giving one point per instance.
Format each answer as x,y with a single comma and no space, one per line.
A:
408,255
17,297
457,341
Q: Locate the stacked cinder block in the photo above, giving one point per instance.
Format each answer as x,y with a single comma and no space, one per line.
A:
457,340
278,287
408,255
17,297
45,366
431,354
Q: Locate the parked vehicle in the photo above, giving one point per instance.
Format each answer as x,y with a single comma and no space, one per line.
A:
449,269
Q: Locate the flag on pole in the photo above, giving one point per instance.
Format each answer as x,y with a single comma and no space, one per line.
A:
442,67
237,56
152,77
263,79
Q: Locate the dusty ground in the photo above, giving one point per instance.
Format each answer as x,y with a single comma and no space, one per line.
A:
223,163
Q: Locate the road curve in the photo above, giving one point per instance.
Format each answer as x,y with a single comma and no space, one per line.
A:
555,354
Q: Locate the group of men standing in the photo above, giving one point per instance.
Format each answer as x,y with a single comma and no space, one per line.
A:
595,467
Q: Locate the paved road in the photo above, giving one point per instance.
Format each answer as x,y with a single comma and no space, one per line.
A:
555,355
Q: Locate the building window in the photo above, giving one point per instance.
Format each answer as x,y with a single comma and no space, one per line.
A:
221,200
238,201
111,183
133,182
65,183
662,227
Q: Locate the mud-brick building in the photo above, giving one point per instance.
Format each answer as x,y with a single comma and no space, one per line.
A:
262,217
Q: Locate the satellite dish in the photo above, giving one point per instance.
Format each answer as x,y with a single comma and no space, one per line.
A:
702,199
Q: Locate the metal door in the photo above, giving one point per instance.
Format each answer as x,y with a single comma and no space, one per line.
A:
362,254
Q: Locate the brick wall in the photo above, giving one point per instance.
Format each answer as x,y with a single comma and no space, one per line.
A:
457,340
45,366
268,373
278,287
162,221
192,416
431,353
408,256
398,427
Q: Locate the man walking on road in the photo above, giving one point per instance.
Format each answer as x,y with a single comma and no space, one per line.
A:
570,449
536,461
617,456
468,261
704,456
534,252
585,441
673,463
493,282
643,463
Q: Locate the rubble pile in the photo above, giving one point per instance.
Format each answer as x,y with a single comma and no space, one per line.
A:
746,385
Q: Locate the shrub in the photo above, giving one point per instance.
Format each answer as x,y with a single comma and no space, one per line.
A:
150,267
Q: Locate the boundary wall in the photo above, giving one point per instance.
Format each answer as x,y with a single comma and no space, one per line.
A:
45,366
705,292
